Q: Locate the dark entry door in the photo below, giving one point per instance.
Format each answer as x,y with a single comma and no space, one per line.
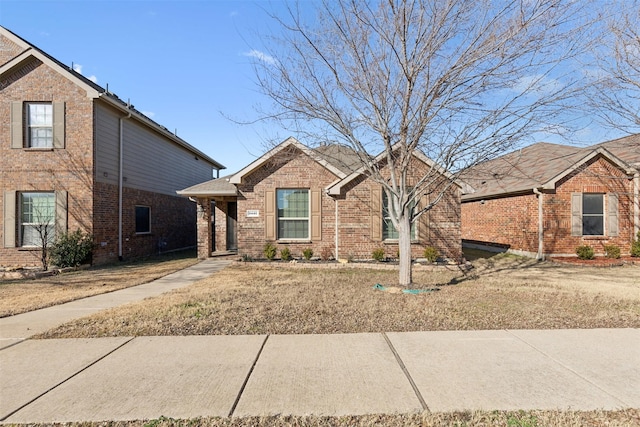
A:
232,225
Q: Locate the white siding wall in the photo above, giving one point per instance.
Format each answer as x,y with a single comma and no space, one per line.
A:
151,162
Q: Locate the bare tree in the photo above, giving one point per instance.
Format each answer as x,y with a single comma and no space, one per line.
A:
456,80
616,94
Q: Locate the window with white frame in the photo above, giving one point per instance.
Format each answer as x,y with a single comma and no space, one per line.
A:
389,231
143,219
39,125
592,214
37,219
293,213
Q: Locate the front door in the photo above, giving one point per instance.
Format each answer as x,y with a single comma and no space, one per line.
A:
232,221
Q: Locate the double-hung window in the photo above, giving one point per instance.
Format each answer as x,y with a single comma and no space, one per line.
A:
389,231
37,218
592,214
293,213
39,125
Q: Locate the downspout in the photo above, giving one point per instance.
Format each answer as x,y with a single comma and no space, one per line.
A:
120,181
336,229
636,205
540,254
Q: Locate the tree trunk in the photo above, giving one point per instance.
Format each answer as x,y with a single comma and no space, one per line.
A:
404,246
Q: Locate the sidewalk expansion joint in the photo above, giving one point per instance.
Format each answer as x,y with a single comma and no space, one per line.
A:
425,407
573,371
246,380
67,379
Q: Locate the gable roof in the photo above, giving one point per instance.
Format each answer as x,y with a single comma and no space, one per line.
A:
238,177
627,149
95,91
336,187
540,165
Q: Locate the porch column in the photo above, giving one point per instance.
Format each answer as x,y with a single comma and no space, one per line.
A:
204,227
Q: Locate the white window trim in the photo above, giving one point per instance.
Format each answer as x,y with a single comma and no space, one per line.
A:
307,218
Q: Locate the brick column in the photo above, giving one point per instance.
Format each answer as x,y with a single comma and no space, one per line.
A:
204,227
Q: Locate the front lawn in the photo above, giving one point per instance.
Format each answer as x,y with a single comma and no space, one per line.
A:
258,298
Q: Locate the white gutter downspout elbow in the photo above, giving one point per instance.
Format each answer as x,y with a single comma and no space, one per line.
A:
540,254
120,181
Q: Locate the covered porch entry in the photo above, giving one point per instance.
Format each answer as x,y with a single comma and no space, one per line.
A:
217,217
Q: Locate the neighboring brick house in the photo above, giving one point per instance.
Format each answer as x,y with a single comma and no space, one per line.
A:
298,197
74,156
548,199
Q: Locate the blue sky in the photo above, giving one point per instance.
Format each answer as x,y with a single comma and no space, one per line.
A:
183,63
186,64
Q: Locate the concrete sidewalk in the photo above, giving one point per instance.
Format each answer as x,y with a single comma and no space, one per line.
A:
349,374
16,328
129,378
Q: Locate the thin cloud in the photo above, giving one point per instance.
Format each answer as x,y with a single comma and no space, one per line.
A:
261,56
78,69
149,114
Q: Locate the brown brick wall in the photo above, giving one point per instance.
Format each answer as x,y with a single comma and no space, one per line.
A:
8,50
440,227
173,224
513,220
69,169
295,170
72,169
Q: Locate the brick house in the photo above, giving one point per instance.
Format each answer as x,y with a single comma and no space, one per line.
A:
548,199
74,156
298,197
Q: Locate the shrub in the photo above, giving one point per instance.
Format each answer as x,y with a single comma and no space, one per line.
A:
612,251
378,254
307,253
269,251
326,254
585,252
431,254
72,249
635,247
285,254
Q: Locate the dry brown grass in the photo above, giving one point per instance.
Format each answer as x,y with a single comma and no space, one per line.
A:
506,293
622,418
20,296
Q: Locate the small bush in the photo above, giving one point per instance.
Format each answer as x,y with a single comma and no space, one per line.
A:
269,251
612,251
585,252
431,254
285,254
307,253
247,258
72,249
635,247
378,254
326,254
